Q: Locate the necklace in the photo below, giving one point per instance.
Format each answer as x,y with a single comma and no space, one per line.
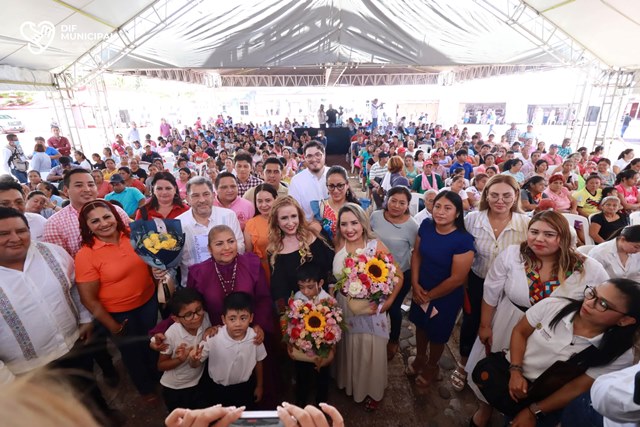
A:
231,282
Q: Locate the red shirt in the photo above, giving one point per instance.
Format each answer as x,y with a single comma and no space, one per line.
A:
104,189
61,144
176,210
117,147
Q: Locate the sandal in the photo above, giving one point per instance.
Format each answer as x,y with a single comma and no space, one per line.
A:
371,405
392,349
411,370
428,376
458,378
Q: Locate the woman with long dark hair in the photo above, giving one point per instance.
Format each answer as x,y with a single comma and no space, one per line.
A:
604,320
165,201
325,212
620,256
442,257
532,192
256,230
544,265
626,182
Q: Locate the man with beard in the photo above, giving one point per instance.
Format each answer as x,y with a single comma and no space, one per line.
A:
311,183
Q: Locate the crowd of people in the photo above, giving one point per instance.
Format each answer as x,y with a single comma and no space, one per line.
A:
532,243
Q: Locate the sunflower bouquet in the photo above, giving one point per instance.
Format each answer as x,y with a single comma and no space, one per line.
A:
159,243
312,328
367,279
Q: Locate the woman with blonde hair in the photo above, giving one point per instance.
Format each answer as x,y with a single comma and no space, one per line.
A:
45,399
498,224
545,264
292,243
361,358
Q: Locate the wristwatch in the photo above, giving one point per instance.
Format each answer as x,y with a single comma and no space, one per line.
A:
535,410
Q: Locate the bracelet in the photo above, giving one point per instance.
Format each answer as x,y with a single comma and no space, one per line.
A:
516,368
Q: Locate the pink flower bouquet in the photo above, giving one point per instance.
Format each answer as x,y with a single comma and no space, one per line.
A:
367,279
311,328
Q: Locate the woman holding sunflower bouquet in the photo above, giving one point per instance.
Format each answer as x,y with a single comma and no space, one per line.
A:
361,357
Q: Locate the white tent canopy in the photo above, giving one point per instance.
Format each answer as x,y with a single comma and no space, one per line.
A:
45,36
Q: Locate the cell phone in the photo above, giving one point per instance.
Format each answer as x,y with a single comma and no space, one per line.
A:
636,390
259,418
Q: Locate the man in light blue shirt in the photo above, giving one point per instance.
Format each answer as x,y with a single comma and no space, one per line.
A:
129,197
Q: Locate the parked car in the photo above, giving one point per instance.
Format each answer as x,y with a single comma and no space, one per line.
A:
10,124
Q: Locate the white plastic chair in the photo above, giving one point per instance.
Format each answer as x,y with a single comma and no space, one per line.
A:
573,218
585,249
591,216
634,218
415,203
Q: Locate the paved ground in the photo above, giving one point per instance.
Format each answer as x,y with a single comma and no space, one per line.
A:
404,405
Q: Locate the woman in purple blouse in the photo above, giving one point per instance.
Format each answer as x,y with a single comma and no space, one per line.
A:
227,271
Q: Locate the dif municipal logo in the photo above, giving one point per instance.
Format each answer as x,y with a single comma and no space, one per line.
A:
41,35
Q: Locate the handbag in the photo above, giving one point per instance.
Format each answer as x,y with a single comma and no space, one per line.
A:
492,375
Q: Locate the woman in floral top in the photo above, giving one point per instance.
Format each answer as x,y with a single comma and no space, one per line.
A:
522,275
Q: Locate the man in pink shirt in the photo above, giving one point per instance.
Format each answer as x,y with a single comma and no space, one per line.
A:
227,197
552,157
58,142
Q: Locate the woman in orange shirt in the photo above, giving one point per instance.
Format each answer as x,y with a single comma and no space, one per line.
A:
256,231
118,288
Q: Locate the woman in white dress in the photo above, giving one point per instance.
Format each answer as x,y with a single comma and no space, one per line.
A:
522,275
361,357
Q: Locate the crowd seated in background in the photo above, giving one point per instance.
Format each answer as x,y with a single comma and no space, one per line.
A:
499,227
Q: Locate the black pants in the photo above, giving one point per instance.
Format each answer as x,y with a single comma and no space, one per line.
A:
306,376
395,311
471,321
196,397
233,395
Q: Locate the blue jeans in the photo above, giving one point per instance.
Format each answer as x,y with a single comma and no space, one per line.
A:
22,176
580,413
141,362
374,125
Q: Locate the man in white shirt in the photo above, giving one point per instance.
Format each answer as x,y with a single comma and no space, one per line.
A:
197,221
311,183
612,395
374,114
42,321
427,212
11,196
134,134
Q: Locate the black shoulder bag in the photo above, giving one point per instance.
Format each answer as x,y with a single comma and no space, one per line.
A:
491,375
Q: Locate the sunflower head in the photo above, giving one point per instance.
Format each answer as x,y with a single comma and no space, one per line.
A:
377,270
314,321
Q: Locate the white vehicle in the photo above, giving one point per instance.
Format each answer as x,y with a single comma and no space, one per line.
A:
10,124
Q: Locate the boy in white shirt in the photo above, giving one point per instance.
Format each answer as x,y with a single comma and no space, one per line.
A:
310,284
181,384
235,362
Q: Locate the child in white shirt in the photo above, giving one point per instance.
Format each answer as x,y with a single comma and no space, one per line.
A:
235,362
181,384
